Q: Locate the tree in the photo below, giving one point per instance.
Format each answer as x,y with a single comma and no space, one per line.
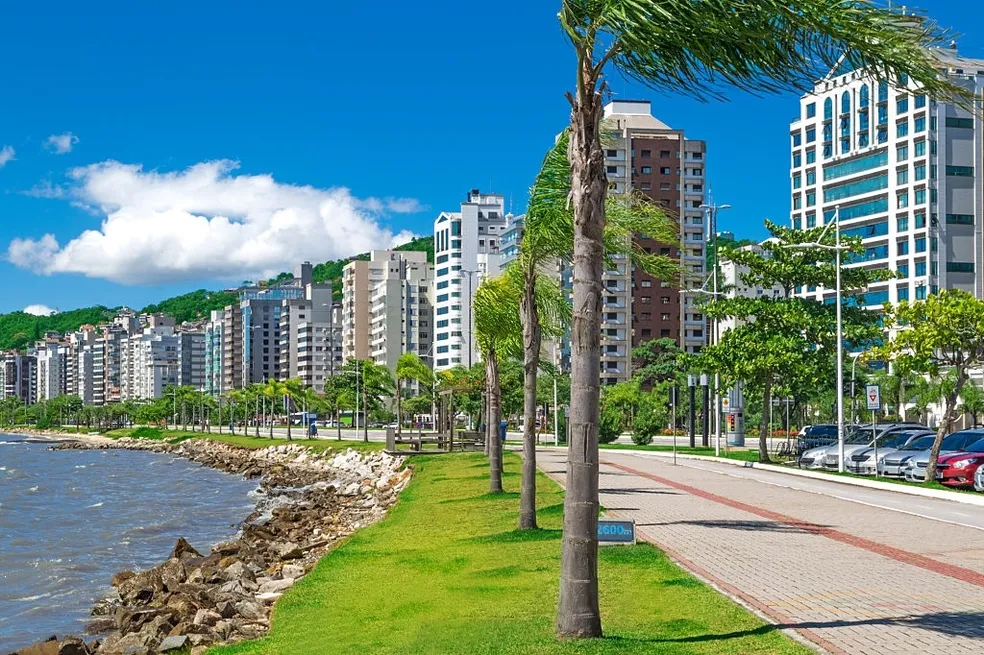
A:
692,48
972,402
409,367
372,384
788,341
656,361
942,336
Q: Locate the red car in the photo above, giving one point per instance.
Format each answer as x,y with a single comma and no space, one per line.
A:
958,469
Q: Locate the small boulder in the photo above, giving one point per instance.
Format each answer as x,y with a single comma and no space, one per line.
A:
292,571
276,586
121,577
207,617
173,643
183,548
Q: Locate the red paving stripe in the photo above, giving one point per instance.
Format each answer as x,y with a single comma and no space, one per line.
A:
897,554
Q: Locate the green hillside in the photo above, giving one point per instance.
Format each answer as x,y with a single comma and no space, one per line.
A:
17,329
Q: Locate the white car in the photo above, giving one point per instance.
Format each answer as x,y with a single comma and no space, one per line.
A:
861,460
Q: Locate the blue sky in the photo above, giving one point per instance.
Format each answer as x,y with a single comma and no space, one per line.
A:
407,105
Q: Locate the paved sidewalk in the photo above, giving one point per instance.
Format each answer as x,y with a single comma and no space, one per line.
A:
849,577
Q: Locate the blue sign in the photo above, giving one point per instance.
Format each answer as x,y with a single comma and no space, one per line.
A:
616,532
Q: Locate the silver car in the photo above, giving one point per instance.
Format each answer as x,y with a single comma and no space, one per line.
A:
915,468
892,464
861,461
863,437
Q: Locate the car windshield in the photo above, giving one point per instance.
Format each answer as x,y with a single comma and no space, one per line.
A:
822,431
976,447
859,436
895,440
959,440
922,443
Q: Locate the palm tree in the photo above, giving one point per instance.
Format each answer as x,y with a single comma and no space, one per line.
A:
409,367
692,48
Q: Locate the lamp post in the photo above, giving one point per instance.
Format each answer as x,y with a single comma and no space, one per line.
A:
468,274
717,380
556,368
837,248
712,210
855,357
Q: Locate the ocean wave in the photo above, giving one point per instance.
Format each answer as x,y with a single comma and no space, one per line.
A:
28,599
34,488
99,504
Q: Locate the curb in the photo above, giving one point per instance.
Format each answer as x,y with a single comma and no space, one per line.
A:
938,494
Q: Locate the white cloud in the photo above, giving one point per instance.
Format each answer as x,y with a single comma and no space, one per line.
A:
204,222
61,144
40,310
6,155
45,189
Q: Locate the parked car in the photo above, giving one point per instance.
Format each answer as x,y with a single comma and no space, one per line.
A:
861,461
915,468
813,458
892,464
864,437
816,436
958,469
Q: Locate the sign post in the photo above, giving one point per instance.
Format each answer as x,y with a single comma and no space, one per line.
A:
873,395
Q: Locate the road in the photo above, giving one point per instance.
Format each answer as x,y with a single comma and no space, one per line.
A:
851,570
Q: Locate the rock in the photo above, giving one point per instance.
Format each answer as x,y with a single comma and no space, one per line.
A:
292,571
100,626
183,548
49,647
207,617
199,650
268,596
276,586
73,646
238,571
121,577
173,643
173,573
250,609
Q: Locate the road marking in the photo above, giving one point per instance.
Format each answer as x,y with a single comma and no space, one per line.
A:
904,556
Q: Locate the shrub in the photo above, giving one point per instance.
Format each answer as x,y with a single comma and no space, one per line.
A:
646,424
609,425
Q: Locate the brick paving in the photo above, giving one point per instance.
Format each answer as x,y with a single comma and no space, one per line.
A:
850,578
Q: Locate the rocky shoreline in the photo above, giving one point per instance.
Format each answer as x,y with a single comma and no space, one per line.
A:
307,502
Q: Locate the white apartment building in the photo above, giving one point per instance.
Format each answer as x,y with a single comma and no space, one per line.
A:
310,342
904,171
467,250
401,308
151,362
730,279
52,369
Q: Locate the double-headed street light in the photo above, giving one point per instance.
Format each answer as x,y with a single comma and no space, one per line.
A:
717,378
837,248
711,210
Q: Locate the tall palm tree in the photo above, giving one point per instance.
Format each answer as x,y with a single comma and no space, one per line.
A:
409,367
693,48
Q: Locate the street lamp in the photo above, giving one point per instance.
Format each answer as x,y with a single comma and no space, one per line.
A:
712,210
717,379
855,356
468,274
837,248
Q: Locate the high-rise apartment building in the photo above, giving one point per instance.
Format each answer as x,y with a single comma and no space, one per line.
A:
52,369
731,279
107,361
18,377
644,154
151,362
214,335
901,170
308,337
467,250
400,308
191,349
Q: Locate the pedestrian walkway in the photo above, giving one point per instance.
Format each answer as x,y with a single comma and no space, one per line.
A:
850,577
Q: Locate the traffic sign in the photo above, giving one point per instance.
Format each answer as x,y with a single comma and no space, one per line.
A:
873,394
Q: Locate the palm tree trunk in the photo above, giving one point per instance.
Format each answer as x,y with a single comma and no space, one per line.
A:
338,422
495,443
365,409
531,356
578,613
766,420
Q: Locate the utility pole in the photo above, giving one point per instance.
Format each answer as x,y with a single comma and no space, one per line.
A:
711,210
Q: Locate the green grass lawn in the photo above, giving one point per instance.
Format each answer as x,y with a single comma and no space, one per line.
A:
446,572
239,439
743,455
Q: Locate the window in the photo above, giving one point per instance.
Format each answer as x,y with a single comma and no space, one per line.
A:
963,123
920,101
811,136
882,91
921,244
646,170
797,202
797,140
920,147
828,109
920,196
920,220
863,98
919,124
797,160
647,154
902,200
797,223
902,176
920,269
811,199
845,102
919,171
902,129
902,224
859,165
903,270
665,300
902,248
811,110
612,170
883,116
921,293
838,192
456,228
811,220
811,177
664,171
611,153
902,293
902,105
960,171
797,181
960,267
811,156
960,219
646,300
